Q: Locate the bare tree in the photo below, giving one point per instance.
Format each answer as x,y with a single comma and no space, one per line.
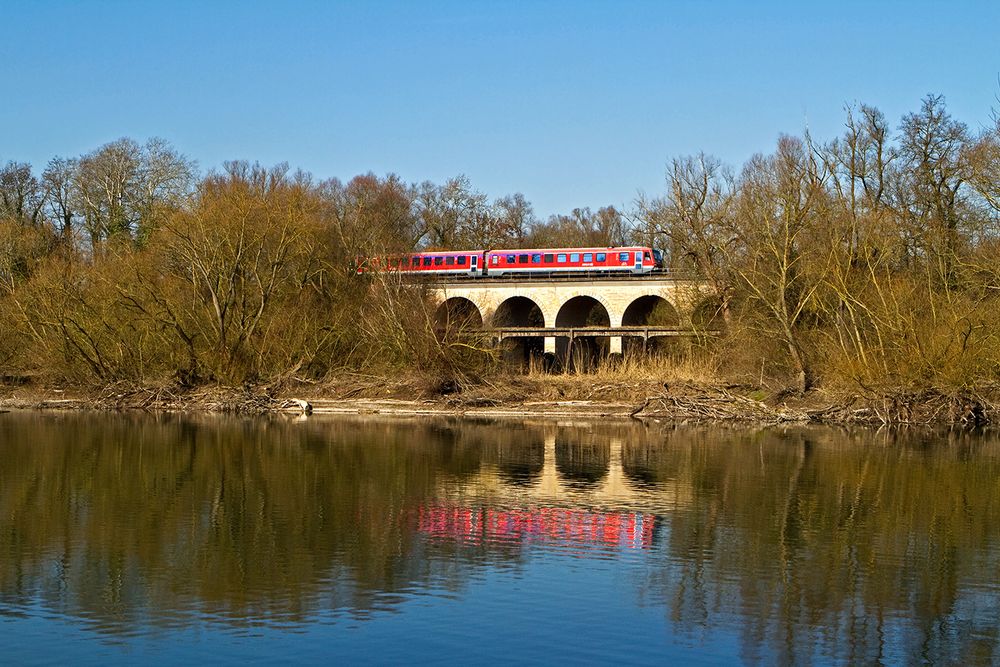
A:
582,227
57,180
983,158
165,179
780,209
932,173
23,238
516,217
454,214
21,195
245,241
863,237
695,220
120,187
859,165
369,217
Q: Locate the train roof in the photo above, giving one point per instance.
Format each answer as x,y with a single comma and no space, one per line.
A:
445,252
587,249
523,250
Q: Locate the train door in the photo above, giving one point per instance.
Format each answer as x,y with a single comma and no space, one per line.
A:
474,265
638,262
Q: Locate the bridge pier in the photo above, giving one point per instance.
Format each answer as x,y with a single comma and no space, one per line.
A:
615,345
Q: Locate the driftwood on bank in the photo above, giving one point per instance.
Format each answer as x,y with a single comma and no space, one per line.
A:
209,399
686,402
887,407
914,407
970,407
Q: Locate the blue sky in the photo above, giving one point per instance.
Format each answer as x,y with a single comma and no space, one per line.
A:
572,103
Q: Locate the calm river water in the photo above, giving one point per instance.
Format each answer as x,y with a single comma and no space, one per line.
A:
172,539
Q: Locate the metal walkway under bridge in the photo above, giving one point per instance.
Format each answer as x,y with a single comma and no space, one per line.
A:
569,307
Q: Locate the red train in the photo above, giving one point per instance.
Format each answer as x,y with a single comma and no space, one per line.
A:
479,263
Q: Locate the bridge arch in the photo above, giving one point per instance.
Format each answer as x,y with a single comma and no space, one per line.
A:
518,311
650,309
585,310
458,313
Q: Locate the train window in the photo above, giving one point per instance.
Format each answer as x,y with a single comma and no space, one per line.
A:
623,256
427,261
404,262
536,258
511,259
574,257
461,260
602,256
494,259
547,259
438,261
450,261
588,257
522,259
645,255
561,258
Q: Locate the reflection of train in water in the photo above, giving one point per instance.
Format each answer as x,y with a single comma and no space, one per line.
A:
484,263
631,530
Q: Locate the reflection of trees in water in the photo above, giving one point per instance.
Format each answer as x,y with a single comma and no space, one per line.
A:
804,542
246,517
864,547
458,452
647,465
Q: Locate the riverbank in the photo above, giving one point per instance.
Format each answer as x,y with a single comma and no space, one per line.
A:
534,396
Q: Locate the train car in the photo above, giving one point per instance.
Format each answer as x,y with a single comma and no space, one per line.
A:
448,262
628,259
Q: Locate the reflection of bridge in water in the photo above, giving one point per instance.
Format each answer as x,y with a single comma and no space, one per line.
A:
560,485
574,468
477,525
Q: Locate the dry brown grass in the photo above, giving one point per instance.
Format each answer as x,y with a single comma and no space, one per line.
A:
694,365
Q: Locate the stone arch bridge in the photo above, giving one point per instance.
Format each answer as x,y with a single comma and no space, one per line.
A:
563,309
